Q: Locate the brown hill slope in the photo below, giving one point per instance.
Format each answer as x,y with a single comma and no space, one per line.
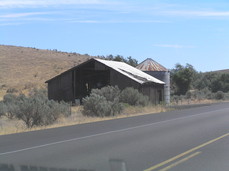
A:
223,71
23,68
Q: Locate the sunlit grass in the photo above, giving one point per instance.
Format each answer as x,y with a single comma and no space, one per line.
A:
16,126
8,126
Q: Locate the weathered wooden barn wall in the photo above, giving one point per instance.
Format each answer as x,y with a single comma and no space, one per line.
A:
122,81
60,88
154,92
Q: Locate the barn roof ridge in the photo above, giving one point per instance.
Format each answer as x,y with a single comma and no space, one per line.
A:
130,71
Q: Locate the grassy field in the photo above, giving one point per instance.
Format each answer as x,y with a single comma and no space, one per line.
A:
24,68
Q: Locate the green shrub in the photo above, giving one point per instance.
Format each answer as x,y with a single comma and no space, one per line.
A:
108,101
12,90
96,105
132,97
129,96
102,102
143,100
175,98
219,95
109,92
116,106
199,94
36,109
3,109
188,94
10,102
210,96
227,96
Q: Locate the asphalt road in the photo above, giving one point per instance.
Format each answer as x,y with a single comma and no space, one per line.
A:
182,140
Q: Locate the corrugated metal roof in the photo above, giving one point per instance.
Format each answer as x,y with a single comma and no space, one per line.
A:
151,65
129,71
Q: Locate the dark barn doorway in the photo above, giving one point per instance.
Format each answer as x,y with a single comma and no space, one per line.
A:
90,76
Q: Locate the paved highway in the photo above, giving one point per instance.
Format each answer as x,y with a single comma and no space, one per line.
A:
188,139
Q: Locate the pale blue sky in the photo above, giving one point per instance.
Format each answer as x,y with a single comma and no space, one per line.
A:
170,32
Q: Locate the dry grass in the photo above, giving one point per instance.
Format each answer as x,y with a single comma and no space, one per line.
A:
25,68
191,102
223,71
2,93
8,126
16,126
135,110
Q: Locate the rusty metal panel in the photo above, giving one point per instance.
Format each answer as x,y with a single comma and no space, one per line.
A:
151,65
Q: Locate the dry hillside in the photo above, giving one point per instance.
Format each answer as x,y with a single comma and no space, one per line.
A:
223,71
23,68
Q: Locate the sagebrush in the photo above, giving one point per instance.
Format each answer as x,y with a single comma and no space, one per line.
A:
110,101
132,97
35,109
102,102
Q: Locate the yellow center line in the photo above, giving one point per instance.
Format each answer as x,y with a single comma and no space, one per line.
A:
180,161
185,153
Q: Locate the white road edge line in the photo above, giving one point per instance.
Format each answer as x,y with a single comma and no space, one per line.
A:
95,135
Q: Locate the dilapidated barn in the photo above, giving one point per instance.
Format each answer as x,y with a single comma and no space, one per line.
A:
77,82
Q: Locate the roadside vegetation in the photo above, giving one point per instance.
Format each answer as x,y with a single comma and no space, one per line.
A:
188,85
21,113
110,101
34,109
